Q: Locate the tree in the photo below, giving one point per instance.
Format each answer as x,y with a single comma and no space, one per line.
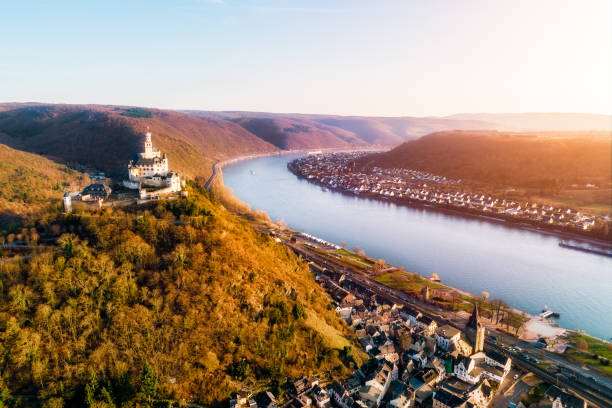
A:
148,382
298,311
582,345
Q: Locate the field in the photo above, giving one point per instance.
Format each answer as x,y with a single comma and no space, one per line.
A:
598,355
407,282
598,201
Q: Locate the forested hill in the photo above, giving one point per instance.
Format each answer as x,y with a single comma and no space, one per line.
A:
29,182
541,159
107,137
182,301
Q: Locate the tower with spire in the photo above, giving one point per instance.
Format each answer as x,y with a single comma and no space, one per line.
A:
475,330
151,169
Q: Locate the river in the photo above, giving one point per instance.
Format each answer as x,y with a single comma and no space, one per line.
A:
527,269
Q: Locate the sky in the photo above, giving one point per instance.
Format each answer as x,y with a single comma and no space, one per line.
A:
382,58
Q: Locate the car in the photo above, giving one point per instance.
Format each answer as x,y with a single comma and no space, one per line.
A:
535,360
516,376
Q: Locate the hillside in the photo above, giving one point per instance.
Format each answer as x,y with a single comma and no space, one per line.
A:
536,160
29,182
183,301
289,132
107,137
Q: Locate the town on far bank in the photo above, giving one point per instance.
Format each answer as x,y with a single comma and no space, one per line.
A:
148,178
420,354
337,171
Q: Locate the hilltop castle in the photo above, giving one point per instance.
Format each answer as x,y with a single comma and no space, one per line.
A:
151,169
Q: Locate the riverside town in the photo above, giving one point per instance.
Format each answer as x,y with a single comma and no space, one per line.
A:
337,171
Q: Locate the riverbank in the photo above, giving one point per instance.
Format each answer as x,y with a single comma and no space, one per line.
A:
506,220
527,269
246,207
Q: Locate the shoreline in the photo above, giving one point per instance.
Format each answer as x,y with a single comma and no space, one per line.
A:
553,326
510,222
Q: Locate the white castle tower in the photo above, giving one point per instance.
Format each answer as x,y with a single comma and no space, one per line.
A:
151,169
148,147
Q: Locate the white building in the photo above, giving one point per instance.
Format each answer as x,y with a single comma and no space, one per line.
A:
151,169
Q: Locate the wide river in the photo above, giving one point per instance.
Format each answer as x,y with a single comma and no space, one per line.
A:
527,269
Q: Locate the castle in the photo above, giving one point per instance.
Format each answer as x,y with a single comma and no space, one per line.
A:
151,169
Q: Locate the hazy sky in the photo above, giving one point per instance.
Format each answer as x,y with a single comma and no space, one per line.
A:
346,57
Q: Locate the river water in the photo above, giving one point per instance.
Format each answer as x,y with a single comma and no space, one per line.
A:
527,269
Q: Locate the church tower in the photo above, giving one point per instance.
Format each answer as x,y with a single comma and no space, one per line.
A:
475,330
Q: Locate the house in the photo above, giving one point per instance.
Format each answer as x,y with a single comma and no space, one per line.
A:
404,400
562,399
427,324
495,359
95,191
376,387
321,397
447,335
445,399
465,369
340,395
265,399
243,399
301,401
410,315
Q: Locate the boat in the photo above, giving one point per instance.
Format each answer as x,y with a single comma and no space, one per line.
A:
546,313
252,172
585,247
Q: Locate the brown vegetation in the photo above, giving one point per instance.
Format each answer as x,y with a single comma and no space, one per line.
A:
107,137
29,182
181,301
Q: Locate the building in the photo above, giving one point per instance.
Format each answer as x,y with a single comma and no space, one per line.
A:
562,399
67,203
447,335
475,331
151,169
95,191
444,399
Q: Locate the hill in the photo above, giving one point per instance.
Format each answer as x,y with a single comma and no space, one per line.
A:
29,182
107,137
543,121
536,160
289,132
309,131
179,301
395,130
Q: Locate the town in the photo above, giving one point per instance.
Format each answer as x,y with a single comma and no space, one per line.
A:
337,171
416,359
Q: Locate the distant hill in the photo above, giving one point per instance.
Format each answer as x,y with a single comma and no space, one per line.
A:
289,132
107,137
536,160
542,121
394,130
306,131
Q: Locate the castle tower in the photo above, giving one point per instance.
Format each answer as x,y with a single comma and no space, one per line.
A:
148,146
67,203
